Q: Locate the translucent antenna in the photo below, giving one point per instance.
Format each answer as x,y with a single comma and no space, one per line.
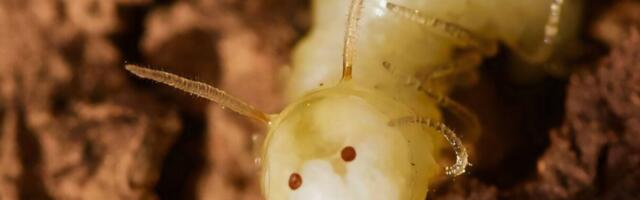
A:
460,111
199,89
461,153
545,49
348,52
451,29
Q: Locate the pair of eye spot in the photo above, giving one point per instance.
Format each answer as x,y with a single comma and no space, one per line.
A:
348,154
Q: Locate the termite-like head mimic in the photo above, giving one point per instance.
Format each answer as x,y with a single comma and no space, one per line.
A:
340,142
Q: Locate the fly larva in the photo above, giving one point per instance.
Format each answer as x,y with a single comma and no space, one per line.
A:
376,132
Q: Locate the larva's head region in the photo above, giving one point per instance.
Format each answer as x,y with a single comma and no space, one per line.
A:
336,143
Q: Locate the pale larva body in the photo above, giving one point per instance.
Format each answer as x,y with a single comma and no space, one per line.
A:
375,132
392,162
413,48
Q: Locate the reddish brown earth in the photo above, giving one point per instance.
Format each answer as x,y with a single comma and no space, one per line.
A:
75,125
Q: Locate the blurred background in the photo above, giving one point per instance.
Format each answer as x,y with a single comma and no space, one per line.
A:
75,125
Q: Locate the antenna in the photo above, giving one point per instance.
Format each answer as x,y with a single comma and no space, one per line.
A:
355,10
200,89
461,153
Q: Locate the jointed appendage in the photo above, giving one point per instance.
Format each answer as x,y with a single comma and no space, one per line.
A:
460,111
200,89
348,52
550,34
460,64
461,153
448,28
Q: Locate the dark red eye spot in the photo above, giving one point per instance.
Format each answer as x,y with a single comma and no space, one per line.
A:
348,154
295,181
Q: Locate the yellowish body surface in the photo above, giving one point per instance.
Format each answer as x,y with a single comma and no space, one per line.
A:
394,50
418,49
310,140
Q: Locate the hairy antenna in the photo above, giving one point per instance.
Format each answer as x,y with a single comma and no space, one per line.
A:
461,153
456,108
451,29
459,111
348,52
550,36
200,89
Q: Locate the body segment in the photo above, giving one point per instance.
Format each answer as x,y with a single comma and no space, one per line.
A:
418,49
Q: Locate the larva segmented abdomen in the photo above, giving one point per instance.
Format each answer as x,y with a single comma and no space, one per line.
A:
416,49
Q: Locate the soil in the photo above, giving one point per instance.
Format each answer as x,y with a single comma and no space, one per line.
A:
75,125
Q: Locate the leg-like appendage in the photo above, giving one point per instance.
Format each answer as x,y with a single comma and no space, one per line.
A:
460,111
453,30
461,153
550,34
200,89
461,64
348,52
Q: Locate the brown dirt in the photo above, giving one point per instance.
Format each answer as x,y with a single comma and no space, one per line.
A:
75,125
